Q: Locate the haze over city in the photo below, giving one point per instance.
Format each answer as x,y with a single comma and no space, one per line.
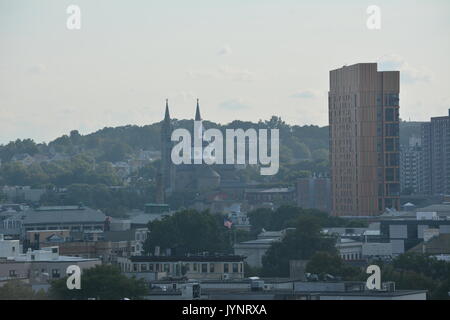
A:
128,57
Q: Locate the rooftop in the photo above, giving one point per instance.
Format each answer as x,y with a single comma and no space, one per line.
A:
55,215
436,245
196,258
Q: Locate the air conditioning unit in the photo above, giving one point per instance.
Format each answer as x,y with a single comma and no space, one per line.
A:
388,286
225,276
268,287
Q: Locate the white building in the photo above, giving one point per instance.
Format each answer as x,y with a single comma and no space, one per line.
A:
9,249
38,266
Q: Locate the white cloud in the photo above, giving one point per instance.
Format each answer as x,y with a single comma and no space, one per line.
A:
305,94
234,104
408,73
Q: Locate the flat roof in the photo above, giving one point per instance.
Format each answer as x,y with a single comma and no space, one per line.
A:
227,258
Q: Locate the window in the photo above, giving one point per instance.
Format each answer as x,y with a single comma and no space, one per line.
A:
379,100
135,267
12,273
143,267
389,114
211,267
55,273
195,267
204,267
150,267
235,267
225,268
166,267
392,159
393,189
392,100
392,129
390,172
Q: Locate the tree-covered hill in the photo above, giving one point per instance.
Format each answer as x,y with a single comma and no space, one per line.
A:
116,144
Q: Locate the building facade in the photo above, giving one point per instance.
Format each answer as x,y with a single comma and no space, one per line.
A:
314,193
364,140
435,175
218,267
36,265
410,167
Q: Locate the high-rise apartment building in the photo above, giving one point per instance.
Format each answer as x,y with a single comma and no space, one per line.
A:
435,176
364,140
410,166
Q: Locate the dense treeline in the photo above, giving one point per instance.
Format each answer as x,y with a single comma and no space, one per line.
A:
78,169
189,231
115,144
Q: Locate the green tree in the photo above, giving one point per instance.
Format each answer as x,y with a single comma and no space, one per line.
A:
320,154
421,263
300,150
322,263
17,290
251,271
189,231
300,244
103,282
3,197
442,291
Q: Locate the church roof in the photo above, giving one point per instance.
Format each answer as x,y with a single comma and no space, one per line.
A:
167,114
197,112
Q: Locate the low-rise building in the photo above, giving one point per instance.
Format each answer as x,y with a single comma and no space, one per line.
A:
314,193
23,193
106,246
277,195
410,228
73,218
213,267
254,250
277,289
438,246
36,265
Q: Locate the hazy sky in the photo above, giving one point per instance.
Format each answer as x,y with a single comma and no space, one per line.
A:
244,59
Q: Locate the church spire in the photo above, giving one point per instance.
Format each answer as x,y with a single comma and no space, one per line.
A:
167,115
197,113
